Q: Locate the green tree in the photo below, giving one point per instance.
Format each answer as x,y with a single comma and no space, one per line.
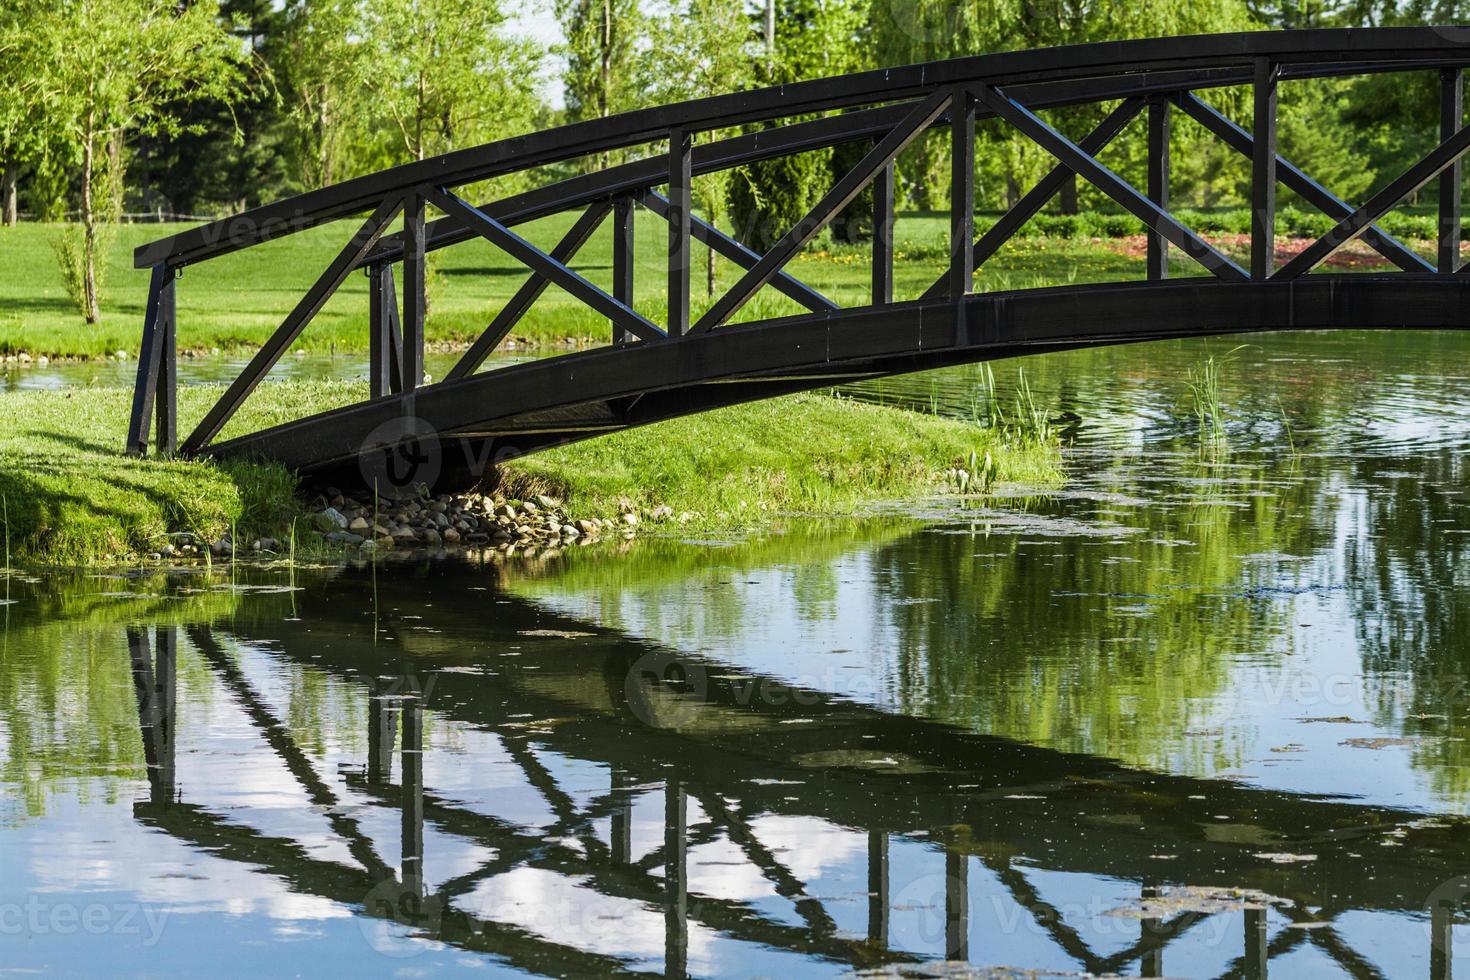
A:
445,75
602,52
112,69
803,39
699,54
323,71
201,170
22,142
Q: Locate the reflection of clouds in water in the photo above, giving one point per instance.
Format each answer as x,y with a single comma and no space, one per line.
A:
809,845
564,910
721,870
114,854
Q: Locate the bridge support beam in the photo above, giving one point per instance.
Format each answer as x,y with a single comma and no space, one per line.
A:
1297,180
961,193
385,338
1257,952
155,392
511,313
676,880
415,302
956,906
1451,117
1263,170
681,177
883,237
1158,183
1441,941
624,242
411,868
155,686
878,887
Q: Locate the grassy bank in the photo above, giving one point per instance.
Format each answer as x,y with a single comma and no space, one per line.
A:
71,497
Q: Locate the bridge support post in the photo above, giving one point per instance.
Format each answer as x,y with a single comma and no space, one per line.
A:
1451,115
385,339
1263,171
621,832
412,767
1256,950
956,906
154,685
962,193
681,177
878,887
883,237
1158,183
623,254
676,881
414,301
1151,963
1441,941
155,391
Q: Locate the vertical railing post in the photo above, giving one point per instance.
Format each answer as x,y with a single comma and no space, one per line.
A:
676,881
155,390
382,736
411,869
1451,115
621,831
1151,964
883,221
956,906
681,159
1158,182
877,888
165,683
1257,952
962,194
166,405
385,340
1263,171
624,243
1441,941
414,298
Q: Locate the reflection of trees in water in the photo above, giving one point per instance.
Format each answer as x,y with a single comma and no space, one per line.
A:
691,595
1107,643
1404,551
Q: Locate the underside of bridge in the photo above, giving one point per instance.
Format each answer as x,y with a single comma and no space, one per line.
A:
687,363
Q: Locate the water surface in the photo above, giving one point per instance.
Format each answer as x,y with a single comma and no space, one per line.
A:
1201,713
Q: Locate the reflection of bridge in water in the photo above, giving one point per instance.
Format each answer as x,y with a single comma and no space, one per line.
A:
740,748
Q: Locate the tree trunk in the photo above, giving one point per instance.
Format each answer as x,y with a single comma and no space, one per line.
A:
91,311
709,273
12,203
1069,195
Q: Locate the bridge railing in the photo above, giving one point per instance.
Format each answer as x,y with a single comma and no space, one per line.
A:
888,110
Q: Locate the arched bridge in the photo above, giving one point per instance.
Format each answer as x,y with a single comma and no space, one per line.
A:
673,362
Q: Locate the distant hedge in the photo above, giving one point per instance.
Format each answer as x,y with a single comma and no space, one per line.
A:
1289,221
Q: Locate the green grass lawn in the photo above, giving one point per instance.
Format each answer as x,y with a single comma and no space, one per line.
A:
237,300
69,496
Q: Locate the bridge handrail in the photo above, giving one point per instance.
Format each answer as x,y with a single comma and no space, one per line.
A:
1077,74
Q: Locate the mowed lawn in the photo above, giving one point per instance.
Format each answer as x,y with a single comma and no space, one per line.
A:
236,301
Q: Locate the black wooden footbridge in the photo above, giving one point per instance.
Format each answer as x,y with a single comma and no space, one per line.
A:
676,363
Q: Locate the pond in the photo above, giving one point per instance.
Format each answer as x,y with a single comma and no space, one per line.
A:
1200,713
